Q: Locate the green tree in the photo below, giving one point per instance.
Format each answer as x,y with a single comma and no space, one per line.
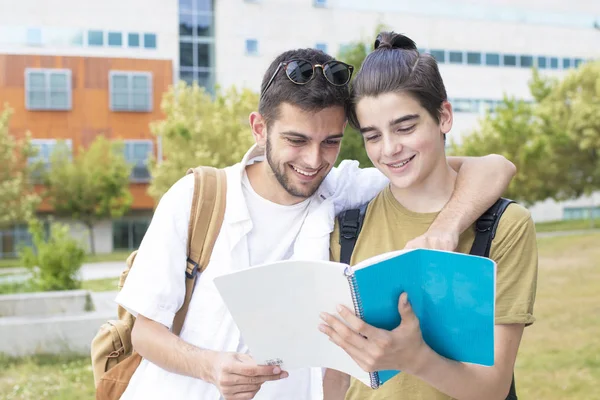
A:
18,199
571,112
200,129
553,141
92,185
513,132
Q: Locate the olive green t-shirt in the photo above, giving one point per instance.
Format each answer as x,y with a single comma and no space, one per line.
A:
388,226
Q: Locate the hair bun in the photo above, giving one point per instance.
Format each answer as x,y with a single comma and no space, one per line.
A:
392,40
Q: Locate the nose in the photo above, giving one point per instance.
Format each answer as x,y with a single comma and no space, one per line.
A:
313,156
391,145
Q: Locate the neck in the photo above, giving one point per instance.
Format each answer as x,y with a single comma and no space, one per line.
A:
432,193
266,185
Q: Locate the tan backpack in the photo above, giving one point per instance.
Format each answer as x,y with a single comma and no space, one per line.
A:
113,358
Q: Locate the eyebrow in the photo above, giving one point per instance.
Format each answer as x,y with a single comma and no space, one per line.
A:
396,121
306,137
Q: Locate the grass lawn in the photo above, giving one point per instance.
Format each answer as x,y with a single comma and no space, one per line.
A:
120,255
559,358
571,225
46,377
96,285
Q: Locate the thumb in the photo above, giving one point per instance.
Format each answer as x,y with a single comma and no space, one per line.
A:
406,312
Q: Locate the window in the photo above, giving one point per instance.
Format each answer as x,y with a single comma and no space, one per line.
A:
133,40
439,55
45,148
128,234
137,153
149,40
510,60
542,62
12,238
474,58
48,89
130,91
203,56
526,61
251,46
322,47
204,25
95,38
571,213
186,54
566,63
554,63
492,59
578,62
34,37
456,57
320,3
115,39
463,105
195,6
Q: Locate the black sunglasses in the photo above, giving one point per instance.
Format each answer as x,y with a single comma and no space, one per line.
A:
302,71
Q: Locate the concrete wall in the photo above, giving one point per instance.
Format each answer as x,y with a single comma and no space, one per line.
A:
45,303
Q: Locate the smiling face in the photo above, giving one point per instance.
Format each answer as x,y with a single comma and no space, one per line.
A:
301,146
401,138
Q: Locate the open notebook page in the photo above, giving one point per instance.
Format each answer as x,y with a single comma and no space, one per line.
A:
277,307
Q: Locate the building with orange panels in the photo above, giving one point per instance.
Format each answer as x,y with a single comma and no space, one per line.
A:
71,73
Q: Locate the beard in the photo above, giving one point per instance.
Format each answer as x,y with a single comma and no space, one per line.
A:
285,179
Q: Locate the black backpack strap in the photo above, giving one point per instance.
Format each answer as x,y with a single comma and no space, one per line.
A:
485,228
485,231
350,225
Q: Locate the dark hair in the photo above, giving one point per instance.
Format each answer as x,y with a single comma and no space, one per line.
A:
316,95
394,66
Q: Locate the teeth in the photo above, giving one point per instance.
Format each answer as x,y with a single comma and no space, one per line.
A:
401,164
304,172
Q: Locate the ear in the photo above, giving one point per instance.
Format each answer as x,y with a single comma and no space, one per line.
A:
259,129
446,117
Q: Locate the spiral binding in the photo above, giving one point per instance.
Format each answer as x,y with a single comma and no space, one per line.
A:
358,309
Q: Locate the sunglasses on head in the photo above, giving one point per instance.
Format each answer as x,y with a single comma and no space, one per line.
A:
301,72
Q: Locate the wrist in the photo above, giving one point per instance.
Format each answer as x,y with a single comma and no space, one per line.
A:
421,360
205,362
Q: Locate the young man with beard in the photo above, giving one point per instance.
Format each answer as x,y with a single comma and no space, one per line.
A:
278,209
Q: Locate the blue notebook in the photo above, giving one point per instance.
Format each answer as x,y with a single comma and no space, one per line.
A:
452,294
276,306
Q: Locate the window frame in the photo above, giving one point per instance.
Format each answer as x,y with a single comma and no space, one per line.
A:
48,72
130,91
132,178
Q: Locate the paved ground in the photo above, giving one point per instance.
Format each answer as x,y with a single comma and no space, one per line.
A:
100,270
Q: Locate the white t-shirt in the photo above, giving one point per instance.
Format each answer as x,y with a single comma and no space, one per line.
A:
274,226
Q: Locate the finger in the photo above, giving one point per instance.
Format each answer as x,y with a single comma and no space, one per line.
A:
358,355
356,323
406,311
250,368
231,390
238,379
242,396
348,334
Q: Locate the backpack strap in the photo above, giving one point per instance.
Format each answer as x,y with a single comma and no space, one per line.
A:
485,228
351,222
206,218
485,231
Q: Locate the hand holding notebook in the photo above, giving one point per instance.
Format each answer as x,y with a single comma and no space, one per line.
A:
277,306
